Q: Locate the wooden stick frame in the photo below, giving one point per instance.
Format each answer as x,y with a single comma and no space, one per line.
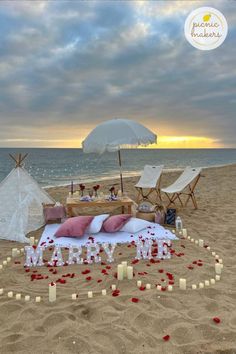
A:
18,159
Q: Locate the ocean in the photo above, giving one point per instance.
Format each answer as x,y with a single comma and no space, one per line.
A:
52,167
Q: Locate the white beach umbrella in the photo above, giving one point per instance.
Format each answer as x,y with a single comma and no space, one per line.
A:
114,134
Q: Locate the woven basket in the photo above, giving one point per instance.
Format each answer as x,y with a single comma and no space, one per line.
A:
146,216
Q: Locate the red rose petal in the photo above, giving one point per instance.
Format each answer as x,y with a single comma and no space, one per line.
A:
135,299
86,271
142,288
216,319
89,278
166,338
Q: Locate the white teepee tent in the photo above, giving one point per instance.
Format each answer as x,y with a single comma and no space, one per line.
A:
21,199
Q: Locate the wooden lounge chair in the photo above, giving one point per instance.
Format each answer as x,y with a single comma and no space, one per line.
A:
149,181
184,185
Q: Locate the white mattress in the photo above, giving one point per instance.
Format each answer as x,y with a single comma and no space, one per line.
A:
155,231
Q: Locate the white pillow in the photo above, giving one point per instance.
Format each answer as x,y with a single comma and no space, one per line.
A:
135,225
96,225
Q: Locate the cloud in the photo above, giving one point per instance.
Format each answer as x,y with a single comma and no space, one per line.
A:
64,67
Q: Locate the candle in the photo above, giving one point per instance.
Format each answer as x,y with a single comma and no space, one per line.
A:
14,252
180,232
18,296
37,299
27,298
213,253
192,239
124,268
159,287
201,243
173,231
148,286
1,291
207,283
10,294
22,250
4,262
104,292
184,231
119,194
1,266
113,287
17,252
201,285
208,248
31,241
36,241
196,242
120,272
218,268
194,286
74,296
217,277
182,284
139,283
216,256
52,292
220,261
212,281
130,272
8,259
189,238
90,294
222,266
170,288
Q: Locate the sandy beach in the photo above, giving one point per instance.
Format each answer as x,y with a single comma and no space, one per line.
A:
107,324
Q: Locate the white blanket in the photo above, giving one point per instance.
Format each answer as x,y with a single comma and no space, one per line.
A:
155,231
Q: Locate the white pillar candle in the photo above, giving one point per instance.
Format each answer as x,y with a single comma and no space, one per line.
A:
113,287
218,268
189,238
52,294
222,266
212,281
37,299
90,294
182,284
4,262
17,252
125,264
8,259
201,243
130,272
31,241
220,261
27,298
139,283
201,285
104,292
1,266
148,286
10,294
180,232
207,283
216,256
18,296
194,286
170,287
217,277
120,272
1,291
213,254
208,248
22,250
173,231
192,239
74,296
184,231
14,252
196,242
159,287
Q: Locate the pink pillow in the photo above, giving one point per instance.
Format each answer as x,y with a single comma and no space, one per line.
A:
114,223
74,227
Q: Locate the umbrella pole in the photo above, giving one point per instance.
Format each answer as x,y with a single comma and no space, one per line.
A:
121,177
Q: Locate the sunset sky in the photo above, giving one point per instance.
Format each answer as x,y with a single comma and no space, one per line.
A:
66,66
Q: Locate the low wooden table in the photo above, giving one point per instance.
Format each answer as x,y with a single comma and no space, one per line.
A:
76,203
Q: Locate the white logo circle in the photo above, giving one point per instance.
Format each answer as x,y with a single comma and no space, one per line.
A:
206,28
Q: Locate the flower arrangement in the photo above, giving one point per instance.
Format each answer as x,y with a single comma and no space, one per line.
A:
96,188
82,188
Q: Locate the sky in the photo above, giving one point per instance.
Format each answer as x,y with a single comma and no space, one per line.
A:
66,66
